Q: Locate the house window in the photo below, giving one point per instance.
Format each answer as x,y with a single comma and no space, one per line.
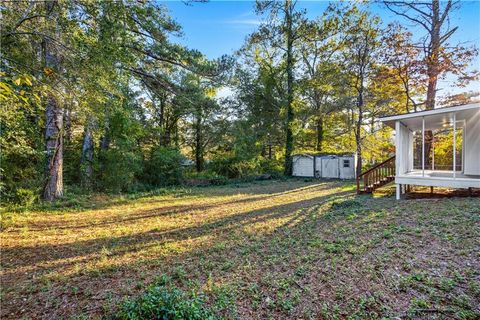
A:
346,163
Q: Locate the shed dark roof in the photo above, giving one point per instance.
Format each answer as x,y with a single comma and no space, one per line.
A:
324,154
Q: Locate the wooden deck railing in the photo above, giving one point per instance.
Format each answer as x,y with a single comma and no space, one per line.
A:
376,176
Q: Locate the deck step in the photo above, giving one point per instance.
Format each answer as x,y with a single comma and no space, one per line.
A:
372,187
377,176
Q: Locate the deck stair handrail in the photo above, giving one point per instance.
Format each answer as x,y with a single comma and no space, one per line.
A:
377,176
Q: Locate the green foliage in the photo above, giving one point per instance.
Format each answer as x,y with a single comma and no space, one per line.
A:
164,167
233,167
147,100
346,204
21,156
169,303
274,167
71,161
26,197
204,178
443,149
119,170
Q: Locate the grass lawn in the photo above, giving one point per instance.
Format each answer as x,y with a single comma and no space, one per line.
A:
268,250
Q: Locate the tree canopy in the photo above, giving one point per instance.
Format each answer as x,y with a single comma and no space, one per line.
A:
99,96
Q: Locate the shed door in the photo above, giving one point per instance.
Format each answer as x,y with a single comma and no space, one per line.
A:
347,168
303,167
330,168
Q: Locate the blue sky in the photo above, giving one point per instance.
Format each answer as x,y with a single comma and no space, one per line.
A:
220,27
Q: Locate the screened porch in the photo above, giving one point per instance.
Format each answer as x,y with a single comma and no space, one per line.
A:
439,147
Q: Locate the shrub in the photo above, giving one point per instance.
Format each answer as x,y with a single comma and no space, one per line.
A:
204,178
21,178
218,180
26,197
165,167
160,302
273,167
119,169
233,167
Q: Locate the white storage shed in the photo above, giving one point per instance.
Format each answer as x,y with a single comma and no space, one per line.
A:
324,166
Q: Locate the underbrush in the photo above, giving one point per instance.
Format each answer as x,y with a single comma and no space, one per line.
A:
205,178
163,300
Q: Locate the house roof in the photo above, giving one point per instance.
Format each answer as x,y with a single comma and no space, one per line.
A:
434,119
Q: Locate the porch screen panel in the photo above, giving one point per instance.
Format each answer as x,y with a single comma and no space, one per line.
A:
404,145
472,145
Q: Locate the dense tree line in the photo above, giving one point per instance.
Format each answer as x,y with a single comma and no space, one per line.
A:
97,95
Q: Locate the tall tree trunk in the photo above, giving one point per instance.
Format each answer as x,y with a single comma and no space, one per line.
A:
199,163
432,72
53,187
86,160
105,142
358,124
290,114
358,136
164,129
433,56
105,139
176,137
167,131
319,133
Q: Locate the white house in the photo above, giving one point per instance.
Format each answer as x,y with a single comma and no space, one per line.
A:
463,120
324,166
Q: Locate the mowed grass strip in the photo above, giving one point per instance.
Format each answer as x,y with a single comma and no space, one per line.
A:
277,249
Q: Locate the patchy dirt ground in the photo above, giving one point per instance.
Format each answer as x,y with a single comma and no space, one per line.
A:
283,250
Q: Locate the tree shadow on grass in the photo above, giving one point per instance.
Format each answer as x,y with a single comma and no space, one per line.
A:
306,251
40,254
50,258
80,202
162,211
